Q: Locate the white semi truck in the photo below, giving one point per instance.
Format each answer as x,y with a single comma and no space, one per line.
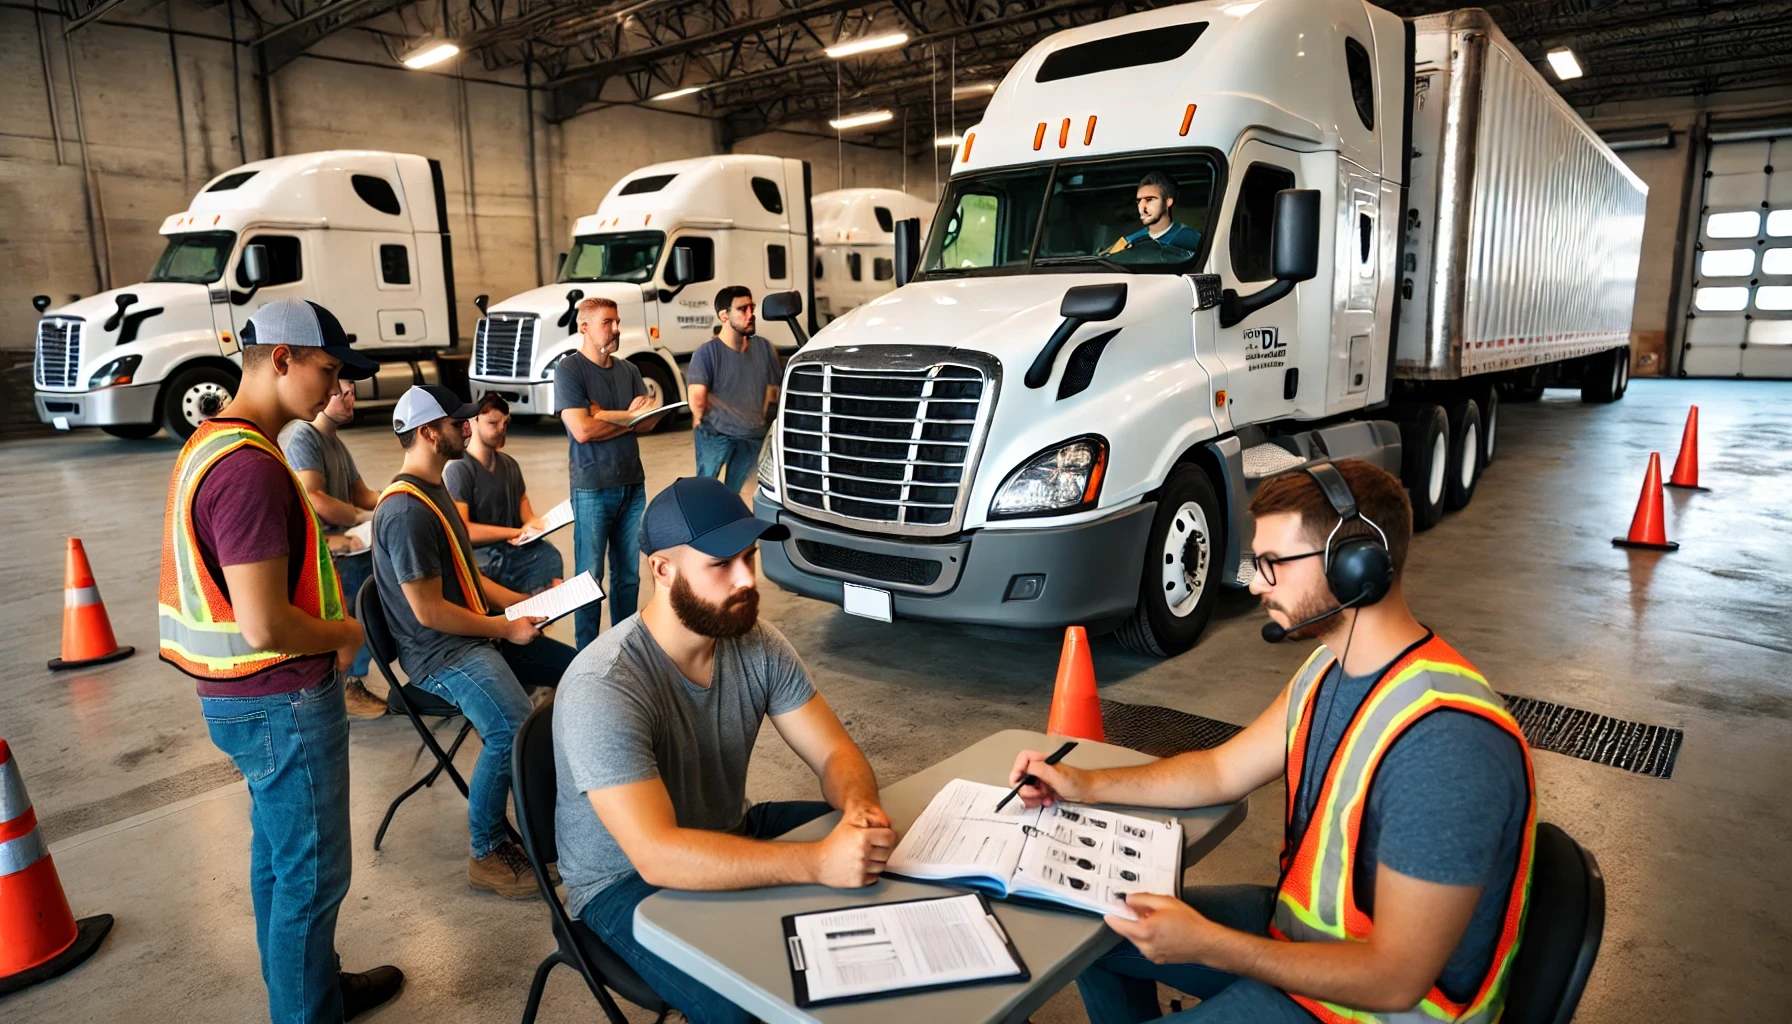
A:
855,245
1393,221
363,233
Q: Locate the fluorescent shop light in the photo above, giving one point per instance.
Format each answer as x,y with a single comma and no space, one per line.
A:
948,141
676,93
861,120
430,53
1565,65
866,44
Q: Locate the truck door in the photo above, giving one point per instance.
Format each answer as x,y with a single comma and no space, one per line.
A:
289,274
690,318
1260,354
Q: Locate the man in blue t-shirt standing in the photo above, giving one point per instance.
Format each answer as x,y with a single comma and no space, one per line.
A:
1157,205
734,382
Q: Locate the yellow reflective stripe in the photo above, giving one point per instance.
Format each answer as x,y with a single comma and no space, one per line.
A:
198,461
1301,688
464,569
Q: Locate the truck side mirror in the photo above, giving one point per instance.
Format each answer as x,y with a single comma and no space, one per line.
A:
255,264
679,268
908,249
482,301
1293,255
1084,304
40,302
788,308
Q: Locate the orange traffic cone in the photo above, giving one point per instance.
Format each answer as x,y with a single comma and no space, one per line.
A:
1076,709
39,936
1648,527
86,631
1686,467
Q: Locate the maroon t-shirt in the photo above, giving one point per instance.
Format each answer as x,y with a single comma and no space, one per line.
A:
247,510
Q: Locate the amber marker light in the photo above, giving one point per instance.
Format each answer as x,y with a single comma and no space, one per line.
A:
1089,132
1187,117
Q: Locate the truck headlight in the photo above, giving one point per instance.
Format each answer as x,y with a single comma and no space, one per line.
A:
1065,478
118,371
768,466
547,372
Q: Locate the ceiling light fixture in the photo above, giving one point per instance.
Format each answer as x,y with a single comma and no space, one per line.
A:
676,93
1566,67
948,141
866,44
428,53
861,120
975,89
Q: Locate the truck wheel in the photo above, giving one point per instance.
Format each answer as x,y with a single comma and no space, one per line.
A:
133,431
1525,385
1180,582
194,396
1623,358
1464,468
659,387
1490,422
1425,462
1604,376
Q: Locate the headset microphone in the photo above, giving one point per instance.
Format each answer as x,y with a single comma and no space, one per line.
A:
1275,634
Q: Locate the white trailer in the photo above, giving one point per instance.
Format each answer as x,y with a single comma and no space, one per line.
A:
855,245
362,233
1396,221
741,219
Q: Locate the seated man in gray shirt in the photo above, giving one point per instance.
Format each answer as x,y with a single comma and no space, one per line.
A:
488,489
654,724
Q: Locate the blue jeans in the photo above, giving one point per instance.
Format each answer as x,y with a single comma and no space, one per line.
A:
292,749
529,569
354,570
1122,986
488,684
611,914
740,454
608,522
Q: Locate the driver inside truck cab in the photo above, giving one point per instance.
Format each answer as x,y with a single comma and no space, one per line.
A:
1157,202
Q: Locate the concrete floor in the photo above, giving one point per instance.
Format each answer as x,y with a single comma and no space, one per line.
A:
147,823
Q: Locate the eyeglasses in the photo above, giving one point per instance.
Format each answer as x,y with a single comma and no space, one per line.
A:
1266,564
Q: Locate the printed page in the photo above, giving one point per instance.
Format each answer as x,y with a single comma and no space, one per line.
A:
960,835
651,413
362,532
895,946
1092,858
558,516
559,601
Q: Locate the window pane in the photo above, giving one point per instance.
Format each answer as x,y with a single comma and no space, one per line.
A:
284,263
855,266
1744,224
651,183
1727,263
1776,261
194,258
883,268
1779,223
375,192
886,221
1774,296
776,263
1770,332
395,264
1721,299
617,257
1362,87
1253,219
766,190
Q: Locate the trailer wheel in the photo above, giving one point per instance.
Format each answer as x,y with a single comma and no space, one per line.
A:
133,431
1623,357
1525,385
1605,375
1490,422
1424,462
1179,585
194,396
1464,469
660,387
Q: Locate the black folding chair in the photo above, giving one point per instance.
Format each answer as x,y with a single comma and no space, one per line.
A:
532,780
413,704
1562,932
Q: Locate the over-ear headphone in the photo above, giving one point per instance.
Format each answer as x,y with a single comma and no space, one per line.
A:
1359,569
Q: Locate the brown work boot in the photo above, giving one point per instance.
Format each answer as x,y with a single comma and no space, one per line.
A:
505,871
362,704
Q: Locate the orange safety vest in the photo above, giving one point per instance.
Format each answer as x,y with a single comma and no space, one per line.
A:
1316,899
466,571
199,633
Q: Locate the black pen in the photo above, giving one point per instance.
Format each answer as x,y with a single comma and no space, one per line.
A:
1028,780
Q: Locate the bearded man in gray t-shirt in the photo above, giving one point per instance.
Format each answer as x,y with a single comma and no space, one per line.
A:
654,724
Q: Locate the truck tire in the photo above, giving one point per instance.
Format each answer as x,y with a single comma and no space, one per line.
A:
1180,581
133,431
195,395
1424,462
1605,376
1464,469
1490,423
1525,385
660,386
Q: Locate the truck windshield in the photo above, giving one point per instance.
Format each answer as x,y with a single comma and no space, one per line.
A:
1079,215
630,256
196,257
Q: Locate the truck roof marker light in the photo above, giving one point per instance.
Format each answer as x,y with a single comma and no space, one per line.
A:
1039,137
1562,61
1064,134
1188,117
969,141
1089,132
647,220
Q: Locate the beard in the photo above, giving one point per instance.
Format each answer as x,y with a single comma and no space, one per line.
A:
1319,604
451,446
730,619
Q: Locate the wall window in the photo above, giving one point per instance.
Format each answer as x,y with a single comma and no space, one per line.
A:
1253,222
1721,300
1774,261
1362,81
1727,263
375,192
395,264
1779,223
284,265
777,263
855,266
1741,224
767,192
703,257
1773,296
883,268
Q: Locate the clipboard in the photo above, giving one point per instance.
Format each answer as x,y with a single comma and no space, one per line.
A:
799,983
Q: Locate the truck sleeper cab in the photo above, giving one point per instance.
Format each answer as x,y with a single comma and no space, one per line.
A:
855,245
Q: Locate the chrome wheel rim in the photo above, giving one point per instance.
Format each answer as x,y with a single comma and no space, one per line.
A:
1471,440
1186,558
1440,455
203,401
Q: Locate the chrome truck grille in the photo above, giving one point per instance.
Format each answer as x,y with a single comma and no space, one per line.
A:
58,363
885,441
503,344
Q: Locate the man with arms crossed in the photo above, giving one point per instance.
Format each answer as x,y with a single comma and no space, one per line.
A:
452,641
653,728
249,605
341,499
596,395
487,486
1427,876
734,380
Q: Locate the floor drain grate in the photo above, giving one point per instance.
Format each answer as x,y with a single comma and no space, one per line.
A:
1632,746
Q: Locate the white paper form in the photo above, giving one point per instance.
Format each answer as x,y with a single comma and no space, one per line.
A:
559,601
558,516
961,834
894,946
362,532
1095,857
651,413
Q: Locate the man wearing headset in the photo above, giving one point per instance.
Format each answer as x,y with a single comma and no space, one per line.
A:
1410,800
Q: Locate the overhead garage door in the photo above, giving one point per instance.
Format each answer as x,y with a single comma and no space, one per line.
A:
1741,315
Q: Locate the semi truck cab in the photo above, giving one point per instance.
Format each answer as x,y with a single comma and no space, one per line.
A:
855,245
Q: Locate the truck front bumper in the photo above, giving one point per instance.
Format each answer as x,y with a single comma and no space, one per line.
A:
533,398
106,407
1047,578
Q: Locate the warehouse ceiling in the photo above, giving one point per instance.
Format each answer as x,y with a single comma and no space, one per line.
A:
762,65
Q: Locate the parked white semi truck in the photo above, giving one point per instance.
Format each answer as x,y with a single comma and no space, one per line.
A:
718,220
1049,425
855,245
363,233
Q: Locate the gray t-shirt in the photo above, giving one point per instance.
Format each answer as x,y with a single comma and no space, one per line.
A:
578,382
736,383
409,545
1447,805
494,498
625,713
307,447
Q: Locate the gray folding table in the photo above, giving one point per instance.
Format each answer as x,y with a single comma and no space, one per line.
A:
733,942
